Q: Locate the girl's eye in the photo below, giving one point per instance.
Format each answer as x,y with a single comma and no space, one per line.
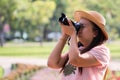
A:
82,26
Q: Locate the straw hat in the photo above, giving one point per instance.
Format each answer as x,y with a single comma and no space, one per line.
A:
93,16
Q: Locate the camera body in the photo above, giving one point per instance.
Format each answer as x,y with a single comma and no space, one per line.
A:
63,19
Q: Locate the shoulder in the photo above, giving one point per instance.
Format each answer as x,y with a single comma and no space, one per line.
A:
101,48
101,53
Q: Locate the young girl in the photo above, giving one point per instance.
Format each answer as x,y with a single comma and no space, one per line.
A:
87,58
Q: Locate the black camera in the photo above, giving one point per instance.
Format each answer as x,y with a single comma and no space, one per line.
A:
63,19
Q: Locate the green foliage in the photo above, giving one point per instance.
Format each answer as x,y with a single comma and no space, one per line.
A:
6,10
25,15
73,6
32,16
36,15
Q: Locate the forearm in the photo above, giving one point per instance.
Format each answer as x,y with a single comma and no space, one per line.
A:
55,57
73,49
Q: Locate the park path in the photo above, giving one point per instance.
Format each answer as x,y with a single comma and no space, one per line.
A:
6,62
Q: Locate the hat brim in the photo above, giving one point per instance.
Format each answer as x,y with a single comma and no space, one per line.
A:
84,14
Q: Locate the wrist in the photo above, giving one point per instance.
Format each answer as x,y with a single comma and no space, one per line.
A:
73,34
73,38
64,37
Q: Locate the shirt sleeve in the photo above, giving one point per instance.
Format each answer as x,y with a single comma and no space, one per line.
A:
102,54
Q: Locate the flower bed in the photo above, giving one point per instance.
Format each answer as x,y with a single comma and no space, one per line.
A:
21,72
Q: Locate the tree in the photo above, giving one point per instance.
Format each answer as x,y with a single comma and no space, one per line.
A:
39,16
6,16
43,11
6,11
32,15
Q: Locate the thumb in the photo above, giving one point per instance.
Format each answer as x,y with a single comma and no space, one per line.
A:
70,22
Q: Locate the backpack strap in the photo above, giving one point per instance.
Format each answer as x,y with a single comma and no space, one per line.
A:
106,72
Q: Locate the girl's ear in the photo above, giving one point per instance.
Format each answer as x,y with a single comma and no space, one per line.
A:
95,33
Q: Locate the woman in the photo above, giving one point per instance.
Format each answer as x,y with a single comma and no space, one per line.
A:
90,60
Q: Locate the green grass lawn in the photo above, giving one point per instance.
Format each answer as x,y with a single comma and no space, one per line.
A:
43,51
114,49
26,50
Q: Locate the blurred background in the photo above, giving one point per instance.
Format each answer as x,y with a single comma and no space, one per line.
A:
29,29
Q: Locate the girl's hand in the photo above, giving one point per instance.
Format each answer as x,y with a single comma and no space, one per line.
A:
68,30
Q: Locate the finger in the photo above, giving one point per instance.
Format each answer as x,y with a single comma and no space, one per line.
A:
70,22
60,23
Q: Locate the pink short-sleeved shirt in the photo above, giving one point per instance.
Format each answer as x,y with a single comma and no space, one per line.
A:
102,54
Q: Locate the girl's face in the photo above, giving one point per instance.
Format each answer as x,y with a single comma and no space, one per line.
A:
86,32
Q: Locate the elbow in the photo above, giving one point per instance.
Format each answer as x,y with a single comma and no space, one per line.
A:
49,64
52,65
